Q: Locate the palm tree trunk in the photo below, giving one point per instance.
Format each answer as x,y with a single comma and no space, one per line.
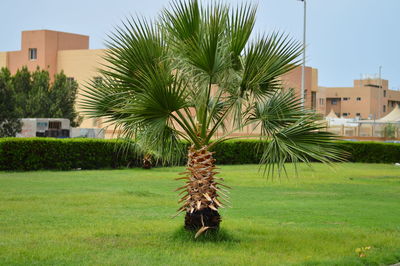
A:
147,161
202,198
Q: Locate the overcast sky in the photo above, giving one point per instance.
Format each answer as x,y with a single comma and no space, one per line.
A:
345,38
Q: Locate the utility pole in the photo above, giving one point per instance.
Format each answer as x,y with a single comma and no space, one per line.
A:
380,92
304,54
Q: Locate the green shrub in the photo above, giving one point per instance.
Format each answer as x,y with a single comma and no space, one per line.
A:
390,131
372,152
64,154
238,152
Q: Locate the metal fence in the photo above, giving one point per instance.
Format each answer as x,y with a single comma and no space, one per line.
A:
377,130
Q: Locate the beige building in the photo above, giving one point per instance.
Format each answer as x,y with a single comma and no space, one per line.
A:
367,99
60,51
41,48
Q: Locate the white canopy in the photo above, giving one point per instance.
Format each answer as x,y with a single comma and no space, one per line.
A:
393,116
331,114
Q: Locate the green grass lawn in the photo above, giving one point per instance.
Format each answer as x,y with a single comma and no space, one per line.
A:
123,217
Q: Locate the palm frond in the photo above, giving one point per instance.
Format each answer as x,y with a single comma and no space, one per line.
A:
266,60
133,52
140,93
292,134
183,21
240,26
280,109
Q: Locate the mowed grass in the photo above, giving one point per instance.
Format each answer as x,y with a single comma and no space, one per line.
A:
123,217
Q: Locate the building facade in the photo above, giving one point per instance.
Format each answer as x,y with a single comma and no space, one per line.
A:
59,51
367,99
40,48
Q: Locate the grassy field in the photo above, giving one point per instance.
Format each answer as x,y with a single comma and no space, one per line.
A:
123,217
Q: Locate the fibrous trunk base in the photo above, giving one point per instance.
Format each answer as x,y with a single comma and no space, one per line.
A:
147,162
202,192
202,218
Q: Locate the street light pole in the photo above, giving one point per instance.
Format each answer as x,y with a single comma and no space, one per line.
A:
304,54
380,91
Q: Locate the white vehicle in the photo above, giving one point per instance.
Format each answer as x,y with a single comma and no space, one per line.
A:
45,127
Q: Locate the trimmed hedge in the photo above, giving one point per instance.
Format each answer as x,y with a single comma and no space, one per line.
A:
372,152
65,154
238,152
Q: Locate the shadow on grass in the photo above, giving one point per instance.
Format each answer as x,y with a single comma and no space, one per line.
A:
139,193
221,235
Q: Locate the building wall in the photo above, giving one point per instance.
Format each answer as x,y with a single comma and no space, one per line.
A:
393,99
375,99
346,98
3,59
293,80
314,80
82,65
47,43
60,51
334,104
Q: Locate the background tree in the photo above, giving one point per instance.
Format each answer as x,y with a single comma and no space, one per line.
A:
195,71
38,97
62,96
35,98
22,86
10,124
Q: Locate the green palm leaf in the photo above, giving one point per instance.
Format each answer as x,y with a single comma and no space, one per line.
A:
292,133
194,72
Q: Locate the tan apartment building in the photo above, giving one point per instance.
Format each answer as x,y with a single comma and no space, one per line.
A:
68,52
367,99
41,48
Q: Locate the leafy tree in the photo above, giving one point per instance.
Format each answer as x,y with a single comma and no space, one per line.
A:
22,86
38,97
195,71
62,97
37,100
389,131
9,121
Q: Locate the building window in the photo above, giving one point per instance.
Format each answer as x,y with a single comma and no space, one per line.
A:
42,126
54,124
70,79
358,98
334,101
384,108
346,114
384,93
314,99
32,53
358,114
346,98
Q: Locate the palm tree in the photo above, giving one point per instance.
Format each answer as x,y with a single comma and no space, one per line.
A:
195,71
